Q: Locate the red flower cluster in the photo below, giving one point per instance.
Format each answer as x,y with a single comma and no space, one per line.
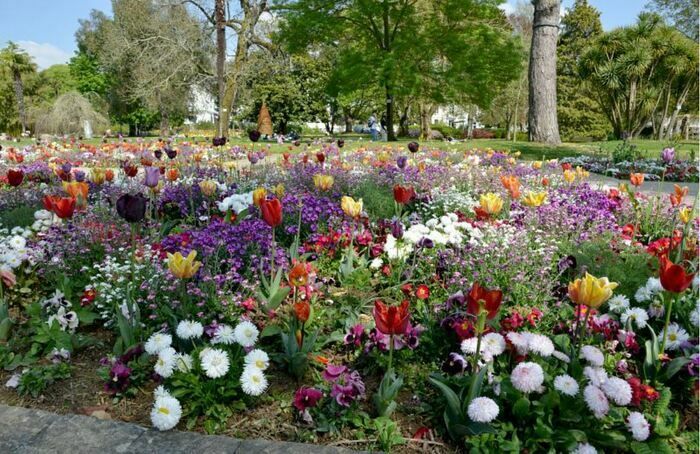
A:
63,207
403,194
641,392
674,277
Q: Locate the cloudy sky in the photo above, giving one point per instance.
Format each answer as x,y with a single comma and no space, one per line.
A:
46,28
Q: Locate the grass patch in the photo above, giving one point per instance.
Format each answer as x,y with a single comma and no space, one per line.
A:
22,216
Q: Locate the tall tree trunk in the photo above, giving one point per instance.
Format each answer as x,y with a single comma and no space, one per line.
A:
542,117
19,94
348,124
679,105
390,135
425,114
664,116
220,19
403,123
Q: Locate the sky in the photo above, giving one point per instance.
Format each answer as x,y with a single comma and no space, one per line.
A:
46,28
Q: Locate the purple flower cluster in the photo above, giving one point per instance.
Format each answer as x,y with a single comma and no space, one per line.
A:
119,371
347,385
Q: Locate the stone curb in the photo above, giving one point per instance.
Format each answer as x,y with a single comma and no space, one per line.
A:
29,431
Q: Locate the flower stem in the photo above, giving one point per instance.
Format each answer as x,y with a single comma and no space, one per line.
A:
391,352
667,321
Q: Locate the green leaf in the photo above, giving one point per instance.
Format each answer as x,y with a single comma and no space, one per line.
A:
521,408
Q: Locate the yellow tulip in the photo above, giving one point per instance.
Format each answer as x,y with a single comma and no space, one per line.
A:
685,214
279,190
491,203
351,207
183,267
323,182
569,176
537,165
208,187
259,195
534,199
97,175
581,173
591,291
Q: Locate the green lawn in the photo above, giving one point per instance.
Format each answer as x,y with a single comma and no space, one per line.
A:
529,150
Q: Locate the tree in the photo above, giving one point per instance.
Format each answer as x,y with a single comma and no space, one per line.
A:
69,114
635,70
17,63
683,14
580,116
542,116
429,51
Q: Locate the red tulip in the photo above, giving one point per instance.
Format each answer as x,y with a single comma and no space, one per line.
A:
64,207
673,277
271,211
48,201
491,300
320,157
403,194
565,166
302,309
286,155
15,177
391,319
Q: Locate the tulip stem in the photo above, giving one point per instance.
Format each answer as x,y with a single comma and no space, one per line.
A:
481,321
667,321
583,329
391,352
272,257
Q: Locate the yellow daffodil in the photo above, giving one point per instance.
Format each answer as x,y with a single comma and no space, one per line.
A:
351,207
208,187
534,199
259,195
491,203
537,165
591,291
183,267
323,182
685,214
569,176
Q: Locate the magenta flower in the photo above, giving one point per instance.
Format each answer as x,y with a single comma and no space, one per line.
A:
333,372
306,398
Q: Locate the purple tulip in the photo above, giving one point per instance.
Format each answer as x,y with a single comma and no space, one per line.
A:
413,147
132,208
79,176
401,162
152,176
66,167
668,155
397,229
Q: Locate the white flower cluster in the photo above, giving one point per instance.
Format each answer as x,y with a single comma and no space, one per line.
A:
43,219
215,362
236,202
442,231
649,291
447,200
526,342
13,248
492,345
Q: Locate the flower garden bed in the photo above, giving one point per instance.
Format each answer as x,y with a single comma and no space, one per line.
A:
406,300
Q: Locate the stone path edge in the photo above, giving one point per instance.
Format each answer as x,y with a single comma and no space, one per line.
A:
30,431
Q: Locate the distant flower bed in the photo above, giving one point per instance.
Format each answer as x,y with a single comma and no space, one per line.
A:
654,169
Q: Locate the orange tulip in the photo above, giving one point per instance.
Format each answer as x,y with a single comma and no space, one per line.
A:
172,174
678,194
512,184
109,175
637,179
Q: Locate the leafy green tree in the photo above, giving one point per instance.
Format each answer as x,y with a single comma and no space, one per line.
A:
579,114
17,63
628,69
53,82
89,77
437,51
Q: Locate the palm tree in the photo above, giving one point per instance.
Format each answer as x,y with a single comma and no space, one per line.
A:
17,62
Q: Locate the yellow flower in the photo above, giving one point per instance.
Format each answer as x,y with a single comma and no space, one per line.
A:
279,190
685,214
98,175
591,291
208,187
537,165
534,199
259,195
569,176
351,207
491,203
581,173
183,267
323,182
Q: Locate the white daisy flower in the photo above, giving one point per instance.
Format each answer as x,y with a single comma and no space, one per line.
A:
675,336
158,342
188,329
566,384
593,355
618,390
482,409
183,362
638,426
596,401
527,377
253,381
165,364
215,362
257,358
17,242
561,356
160,391
635,315
166,413
246,333
540,344
595,375
618,303
223,335
519,341
695,315
656,308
